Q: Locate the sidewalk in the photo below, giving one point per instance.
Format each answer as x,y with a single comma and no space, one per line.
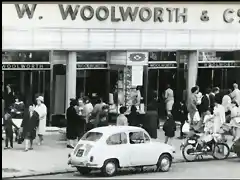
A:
50,158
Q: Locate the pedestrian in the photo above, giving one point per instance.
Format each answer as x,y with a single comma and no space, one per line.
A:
236,94
218,114
169,128
87,111
8,128
205,103
227,103
212,95
181,115
18,107
151,120
103,116
199,98
72,122
235,119
133,117
122,119
169,99
41,109
8,96
96,111
29,126
192,104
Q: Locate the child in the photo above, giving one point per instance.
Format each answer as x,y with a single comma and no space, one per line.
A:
8,123
169,128
208,122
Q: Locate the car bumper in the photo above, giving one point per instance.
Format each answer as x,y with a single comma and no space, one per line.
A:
82,162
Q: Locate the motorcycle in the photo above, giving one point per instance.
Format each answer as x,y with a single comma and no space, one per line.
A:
196,148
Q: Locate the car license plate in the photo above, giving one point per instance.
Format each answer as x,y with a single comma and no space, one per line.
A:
80,153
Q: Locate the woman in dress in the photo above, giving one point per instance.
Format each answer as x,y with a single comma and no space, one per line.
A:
41,109
235,119
169,99
218,114
29,125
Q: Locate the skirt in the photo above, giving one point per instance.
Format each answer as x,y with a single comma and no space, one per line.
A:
169,105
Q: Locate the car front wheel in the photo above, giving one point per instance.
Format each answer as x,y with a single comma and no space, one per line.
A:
110,168
84,170
164,163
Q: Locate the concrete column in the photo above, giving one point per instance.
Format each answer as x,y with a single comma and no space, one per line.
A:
192,71
237,70
71,75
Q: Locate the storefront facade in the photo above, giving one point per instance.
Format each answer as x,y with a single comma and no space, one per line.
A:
93,47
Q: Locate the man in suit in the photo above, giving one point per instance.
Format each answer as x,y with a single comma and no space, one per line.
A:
205,104
212,95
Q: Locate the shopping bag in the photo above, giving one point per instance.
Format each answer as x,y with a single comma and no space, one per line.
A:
196,117
186,127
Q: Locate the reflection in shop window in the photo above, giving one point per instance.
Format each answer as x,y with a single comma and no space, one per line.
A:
91,56
162,56
25,56
219,56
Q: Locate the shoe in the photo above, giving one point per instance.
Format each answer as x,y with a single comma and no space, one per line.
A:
30,148
6,148
25,150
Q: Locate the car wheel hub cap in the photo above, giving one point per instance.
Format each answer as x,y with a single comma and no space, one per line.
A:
165,164
110,168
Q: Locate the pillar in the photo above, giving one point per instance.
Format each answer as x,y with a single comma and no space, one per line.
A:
71,75
192,71
237,69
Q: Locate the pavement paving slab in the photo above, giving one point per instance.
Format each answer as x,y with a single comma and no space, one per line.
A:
51,157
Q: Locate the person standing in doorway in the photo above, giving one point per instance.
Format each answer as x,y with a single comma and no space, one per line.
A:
169,99
236,94
41,109
29,125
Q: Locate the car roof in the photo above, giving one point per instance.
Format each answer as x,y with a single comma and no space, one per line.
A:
115,129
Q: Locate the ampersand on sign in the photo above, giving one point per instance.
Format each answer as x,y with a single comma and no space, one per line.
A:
204,17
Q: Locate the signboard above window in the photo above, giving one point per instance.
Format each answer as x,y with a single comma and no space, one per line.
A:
25,56
219,56
92,56
162,56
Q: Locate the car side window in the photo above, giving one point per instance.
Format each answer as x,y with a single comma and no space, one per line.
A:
115,139
136,137
146,138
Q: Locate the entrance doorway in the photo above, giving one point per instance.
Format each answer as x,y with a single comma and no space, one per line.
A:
92,83
217,77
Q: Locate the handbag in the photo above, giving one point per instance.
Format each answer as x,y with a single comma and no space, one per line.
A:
186,127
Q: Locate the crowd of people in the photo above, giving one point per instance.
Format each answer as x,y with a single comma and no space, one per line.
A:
33,122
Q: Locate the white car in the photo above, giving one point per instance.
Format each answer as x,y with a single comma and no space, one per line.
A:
112,147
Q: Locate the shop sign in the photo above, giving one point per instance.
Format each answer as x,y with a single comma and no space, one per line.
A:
91,66
158,16
25,66
219,64
162,65
137,58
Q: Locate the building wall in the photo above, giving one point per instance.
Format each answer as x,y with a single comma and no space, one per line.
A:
47,29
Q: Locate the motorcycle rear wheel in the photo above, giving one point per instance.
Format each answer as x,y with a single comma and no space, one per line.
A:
185,152
218,147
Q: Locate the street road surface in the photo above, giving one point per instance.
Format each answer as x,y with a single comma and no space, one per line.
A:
202,170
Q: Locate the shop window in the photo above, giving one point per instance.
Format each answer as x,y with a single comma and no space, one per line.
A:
25,56
162,56
91,56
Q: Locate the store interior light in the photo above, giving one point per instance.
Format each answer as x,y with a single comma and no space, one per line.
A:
30,55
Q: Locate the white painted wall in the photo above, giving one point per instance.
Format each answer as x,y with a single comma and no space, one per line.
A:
53,33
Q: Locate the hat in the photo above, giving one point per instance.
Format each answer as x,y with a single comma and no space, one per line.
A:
40,98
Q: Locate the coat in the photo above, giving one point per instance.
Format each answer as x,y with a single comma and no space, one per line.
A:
42,112
30,124
151,123
219,117
169,128
192,106
205,104
8,124
72,123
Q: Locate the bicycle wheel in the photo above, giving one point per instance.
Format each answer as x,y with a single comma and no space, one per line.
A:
221,151
188,152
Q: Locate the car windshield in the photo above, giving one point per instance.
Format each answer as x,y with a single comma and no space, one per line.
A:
92,136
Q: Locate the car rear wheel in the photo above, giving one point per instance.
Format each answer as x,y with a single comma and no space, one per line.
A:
164,163
110,168
84,170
